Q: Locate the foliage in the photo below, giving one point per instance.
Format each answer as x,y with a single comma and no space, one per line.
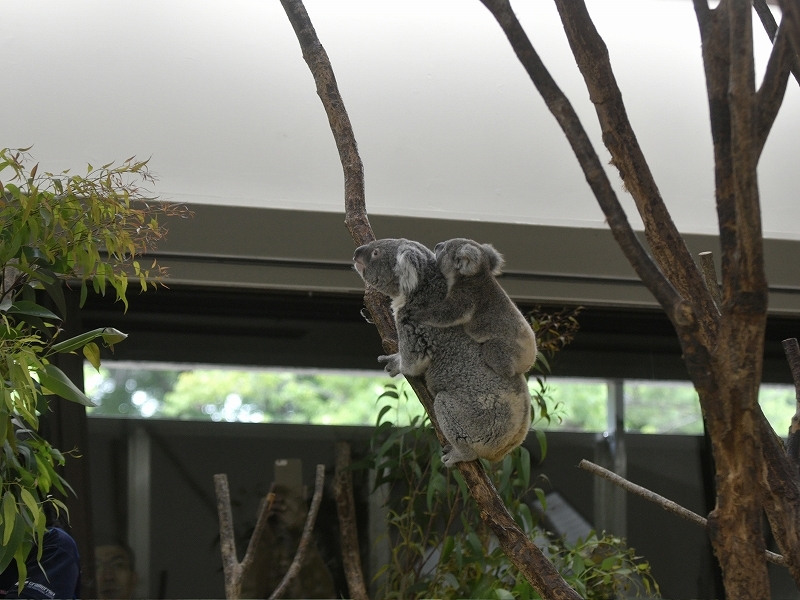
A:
603,567
238,395
55,228
440,546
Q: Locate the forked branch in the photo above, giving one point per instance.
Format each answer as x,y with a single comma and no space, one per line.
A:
305,538
593,170
668,246
522,552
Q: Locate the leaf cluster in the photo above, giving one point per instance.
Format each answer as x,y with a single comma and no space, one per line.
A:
53,229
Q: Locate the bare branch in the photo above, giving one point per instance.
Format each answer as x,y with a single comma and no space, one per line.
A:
710,276
781,495
791,21
305,538
770,94
258,532
328,91
345,505
792,350
522,552
716,62
665,503
593,170
227,542
767,20
668,246
749,274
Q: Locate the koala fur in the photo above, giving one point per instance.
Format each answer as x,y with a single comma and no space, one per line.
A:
480,412
475,299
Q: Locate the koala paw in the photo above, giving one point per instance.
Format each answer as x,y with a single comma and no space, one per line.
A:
392,363
451,455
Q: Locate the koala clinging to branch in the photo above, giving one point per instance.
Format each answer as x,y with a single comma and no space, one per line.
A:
480,412
475,299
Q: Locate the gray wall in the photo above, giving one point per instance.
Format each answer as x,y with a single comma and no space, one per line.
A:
183,545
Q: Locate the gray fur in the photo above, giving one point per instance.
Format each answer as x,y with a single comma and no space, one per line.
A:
475,300
480,412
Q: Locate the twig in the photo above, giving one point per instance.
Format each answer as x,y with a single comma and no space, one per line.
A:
663,502
230,564
771,27
261,526
345,505
300,555
522,552
710,276
234,571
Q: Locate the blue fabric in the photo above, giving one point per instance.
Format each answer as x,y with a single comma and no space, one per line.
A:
57,577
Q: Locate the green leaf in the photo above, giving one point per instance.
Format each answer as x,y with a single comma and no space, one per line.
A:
54,290
542,438
92,354
502,594
54,379
109,334
23,307
12,546
30,502
525,466
9,516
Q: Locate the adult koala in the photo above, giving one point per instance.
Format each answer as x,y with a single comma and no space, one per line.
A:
475,299
480,412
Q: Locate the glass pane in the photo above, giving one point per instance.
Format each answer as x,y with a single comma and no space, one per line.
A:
147,390
779,404
662,407
573,404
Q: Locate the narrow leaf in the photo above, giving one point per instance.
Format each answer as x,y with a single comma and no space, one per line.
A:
54,379
92,354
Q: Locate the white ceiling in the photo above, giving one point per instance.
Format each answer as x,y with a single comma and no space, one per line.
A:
448,124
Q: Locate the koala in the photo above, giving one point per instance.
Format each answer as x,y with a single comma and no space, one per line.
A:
482,413
475,300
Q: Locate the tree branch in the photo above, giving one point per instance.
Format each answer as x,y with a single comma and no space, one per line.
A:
668,246
665,503
770,94
345,506
781,495
751,283
710,276
227,541
716,62
328,91
305,538
522,552
792,350
771,27
593,170
790,19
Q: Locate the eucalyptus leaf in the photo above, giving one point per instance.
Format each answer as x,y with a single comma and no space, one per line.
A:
92,354
24,307
109,335
54,379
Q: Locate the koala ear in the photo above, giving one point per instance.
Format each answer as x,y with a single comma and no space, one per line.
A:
496,260
409,263
468,260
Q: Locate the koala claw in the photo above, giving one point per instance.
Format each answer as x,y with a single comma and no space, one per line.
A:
392,363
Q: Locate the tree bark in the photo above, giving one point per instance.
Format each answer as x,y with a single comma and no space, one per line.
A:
522,552
345,507
723,351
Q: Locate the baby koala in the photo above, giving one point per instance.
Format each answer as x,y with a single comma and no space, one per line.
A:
475,300
481,412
